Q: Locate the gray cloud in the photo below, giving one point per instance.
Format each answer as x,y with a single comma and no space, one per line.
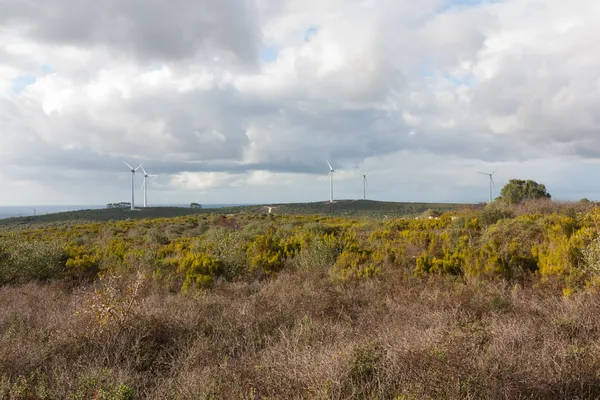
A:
152,30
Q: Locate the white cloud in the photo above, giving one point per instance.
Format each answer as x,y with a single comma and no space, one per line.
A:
422,97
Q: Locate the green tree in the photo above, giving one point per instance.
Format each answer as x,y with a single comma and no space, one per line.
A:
517,191
195,205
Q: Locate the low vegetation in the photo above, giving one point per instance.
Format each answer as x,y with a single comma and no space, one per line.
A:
494,302
121,211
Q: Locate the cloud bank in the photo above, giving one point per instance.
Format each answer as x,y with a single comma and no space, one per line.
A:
242,101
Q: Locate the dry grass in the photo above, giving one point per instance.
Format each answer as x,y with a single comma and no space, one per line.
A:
299,335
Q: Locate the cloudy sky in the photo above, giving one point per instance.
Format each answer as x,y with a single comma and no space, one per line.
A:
243,101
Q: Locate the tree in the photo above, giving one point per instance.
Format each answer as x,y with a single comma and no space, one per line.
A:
195,205
517,191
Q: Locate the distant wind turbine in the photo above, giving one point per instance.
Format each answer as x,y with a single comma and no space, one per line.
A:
132,183
365,184
145,185
331,172
492,184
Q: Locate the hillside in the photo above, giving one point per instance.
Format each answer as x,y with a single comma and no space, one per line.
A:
339,208
497,302
364,208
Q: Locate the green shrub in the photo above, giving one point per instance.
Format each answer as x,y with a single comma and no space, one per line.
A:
318,228
230,248
27,260
494,213
319,252
254,229
364,370
95,386
591,259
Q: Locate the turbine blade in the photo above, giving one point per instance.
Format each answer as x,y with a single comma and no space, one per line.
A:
482,173
130,167
496,170
143,170
330,167
492,179
139,166
143,184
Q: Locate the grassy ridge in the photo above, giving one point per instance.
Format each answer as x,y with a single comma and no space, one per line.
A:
342,208
365,208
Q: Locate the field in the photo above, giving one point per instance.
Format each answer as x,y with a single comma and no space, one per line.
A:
341,208
496,302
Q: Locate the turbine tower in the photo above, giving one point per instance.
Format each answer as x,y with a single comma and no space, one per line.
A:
132,183
145,186
331,172
365,184
491,182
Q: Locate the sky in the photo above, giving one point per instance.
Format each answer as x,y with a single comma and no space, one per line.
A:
244,101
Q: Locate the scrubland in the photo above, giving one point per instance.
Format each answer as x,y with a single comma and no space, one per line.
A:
498,303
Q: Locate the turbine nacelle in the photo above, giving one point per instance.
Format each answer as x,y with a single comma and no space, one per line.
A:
133,169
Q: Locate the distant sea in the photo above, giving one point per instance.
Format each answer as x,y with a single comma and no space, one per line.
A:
27,211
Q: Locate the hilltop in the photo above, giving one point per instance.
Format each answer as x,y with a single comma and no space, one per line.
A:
380,209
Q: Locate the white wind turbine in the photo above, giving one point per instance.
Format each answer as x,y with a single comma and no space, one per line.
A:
331,172
365,184
145,185
132,183
491,182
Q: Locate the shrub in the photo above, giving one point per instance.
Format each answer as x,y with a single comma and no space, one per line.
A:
364,370
319,252
560,254
82,261
507,248
356,264
318,228
268,251
591,259
199,269
493,213
27,260
230,248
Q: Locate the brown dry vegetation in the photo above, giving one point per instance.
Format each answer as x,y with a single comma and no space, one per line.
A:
296,332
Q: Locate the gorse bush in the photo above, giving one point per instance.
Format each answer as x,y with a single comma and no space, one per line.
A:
199,269
268,252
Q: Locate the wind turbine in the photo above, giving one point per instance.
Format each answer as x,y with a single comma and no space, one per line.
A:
331,172
365,184
145,186
491,182
132,183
